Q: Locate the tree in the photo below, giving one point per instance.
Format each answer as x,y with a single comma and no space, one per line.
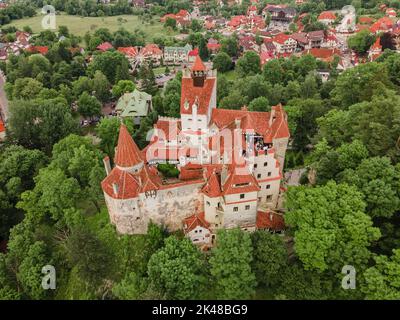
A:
249,64
88,106
18,167
379,181
270,258
360,83
112,64
30,271
330,226
147,79
101,86
231,265
170,23
222,62
26,88
361,41
273,71
92,258
230,46
382,281
54,192
259,104
31,123
234,100
122,87
107,130
177,270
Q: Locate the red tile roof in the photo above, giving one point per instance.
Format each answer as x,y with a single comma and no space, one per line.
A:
39,49
327,15
2,127
212,189
259,121
104,46
365,20
151,49
201,95
240,180
270,220
281,38
194,221
126,184
128,51
198,65
383,24
128,153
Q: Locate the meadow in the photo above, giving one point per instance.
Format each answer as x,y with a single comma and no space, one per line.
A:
80,25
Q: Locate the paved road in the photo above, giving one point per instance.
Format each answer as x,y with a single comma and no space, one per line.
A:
3,99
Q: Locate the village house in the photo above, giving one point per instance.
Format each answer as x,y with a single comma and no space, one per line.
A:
284,43
177,55
213,46
105,46
134,105
222,184
327,17
183,18
281,13
375,51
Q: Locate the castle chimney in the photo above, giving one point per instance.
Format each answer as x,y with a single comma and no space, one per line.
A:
238,121
107,165
115,189
224,175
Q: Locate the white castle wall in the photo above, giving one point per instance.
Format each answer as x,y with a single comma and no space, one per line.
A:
165,207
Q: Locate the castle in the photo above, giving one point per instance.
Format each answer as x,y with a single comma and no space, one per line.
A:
230,168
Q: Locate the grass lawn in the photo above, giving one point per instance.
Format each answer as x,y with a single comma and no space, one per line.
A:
80,25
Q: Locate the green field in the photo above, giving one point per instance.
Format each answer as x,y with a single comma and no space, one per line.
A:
80,25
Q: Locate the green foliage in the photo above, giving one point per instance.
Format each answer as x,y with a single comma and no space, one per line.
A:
108,130
379,181
89,106
231,265
222,62
248,64
177,270
168,170
330,226
361,41
122,87
31,123
112,64
270,258
382,281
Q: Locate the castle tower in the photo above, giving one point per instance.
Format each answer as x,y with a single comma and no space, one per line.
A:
128,157
198,73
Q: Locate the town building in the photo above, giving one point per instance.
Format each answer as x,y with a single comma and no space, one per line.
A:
134,105
230,163
177,55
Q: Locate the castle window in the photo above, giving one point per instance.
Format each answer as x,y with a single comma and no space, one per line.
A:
242,196
269,198
259,176
247,207
268,186
269,174
236,209
208,203
255,166
265,164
